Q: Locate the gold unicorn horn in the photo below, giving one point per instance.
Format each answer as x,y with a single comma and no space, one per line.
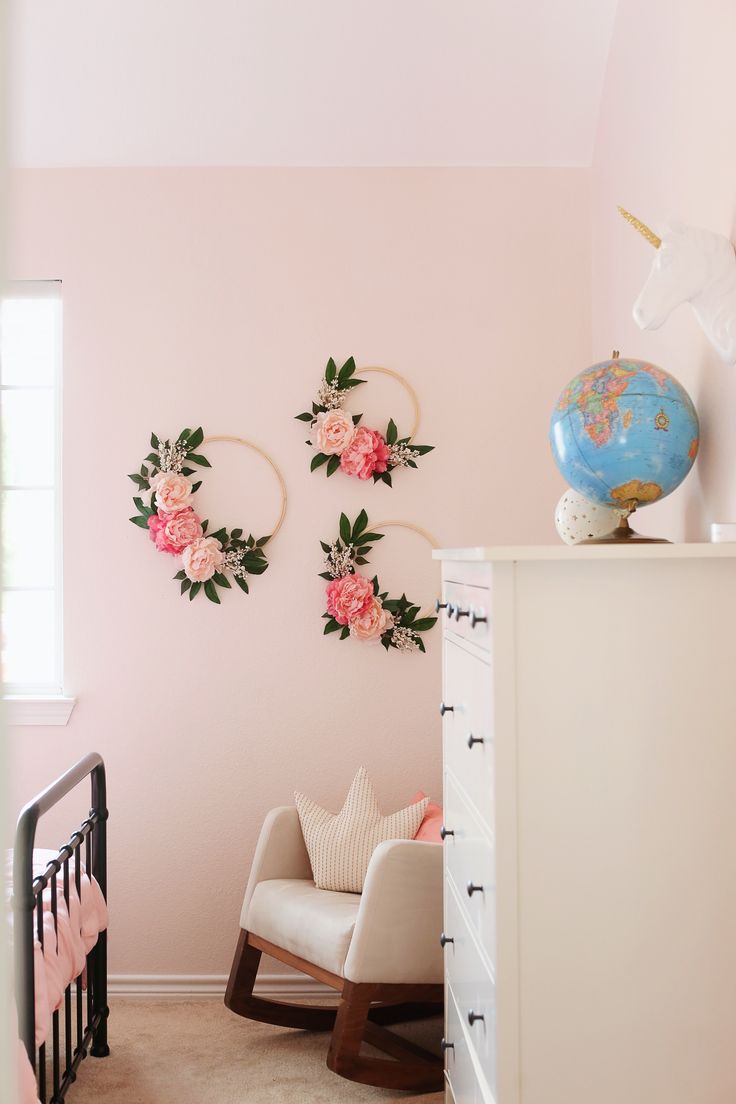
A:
642,228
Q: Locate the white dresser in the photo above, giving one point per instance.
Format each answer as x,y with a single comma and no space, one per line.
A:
589,735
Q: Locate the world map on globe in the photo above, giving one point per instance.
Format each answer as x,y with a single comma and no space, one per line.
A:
624,433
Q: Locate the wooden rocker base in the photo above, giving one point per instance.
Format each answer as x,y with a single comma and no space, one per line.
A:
360,1017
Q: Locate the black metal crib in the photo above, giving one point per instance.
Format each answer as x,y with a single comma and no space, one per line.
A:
79,1026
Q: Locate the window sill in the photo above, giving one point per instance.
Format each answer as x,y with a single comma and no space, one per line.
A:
38,711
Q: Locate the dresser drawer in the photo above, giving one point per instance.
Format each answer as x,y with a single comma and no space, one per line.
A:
470,860
472,986
468,612
468,746
458,1063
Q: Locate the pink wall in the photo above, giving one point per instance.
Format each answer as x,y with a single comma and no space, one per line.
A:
215,296
666,146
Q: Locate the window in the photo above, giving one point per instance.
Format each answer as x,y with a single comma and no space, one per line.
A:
30,378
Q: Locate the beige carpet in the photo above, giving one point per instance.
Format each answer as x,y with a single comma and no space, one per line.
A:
196,1052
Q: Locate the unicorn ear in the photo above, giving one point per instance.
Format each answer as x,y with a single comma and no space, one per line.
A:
672,227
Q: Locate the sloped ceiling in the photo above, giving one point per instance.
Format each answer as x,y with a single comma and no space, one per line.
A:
294,82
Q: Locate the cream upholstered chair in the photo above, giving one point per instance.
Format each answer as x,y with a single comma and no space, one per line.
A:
379,950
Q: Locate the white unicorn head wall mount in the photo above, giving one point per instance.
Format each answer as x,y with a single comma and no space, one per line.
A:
691,266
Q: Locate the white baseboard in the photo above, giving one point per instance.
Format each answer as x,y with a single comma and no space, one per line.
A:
192,986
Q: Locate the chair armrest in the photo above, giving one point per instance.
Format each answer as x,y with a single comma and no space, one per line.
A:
280,852
397,931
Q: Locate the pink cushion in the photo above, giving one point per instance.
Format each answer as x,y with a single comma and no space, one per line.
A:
429,829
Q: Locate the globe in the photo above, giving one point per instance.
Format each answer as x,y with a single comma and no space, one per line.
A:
624,433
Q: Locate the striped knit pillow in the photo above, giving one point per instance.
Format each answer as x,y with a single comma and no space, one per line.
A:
340,845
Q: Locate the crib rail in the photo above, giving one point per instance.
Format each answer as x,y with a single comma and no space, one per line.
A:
85,1026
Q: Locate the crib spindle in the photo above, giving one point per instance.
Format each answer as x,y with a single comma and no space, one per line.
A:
41,1065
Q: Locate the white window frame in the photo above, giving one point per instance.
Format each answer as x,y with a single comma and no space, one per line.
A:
43,704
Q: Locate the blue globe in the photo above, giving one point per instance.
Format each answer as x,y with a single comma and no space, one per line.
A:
624,433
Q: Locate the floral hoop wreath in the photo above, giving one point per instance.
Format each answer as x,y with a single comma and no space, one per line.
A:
165,508
355,605
341,442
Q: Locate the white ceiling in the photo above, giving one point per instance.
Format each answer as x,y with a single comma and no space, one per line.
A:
307,82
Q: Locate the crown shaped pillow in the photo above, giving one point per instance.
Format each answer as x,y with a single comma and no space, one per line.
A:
340,845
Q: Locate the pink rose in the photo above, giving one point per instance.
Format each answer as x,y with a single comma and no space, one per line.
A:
367,453
202,558
332,432
172,492
173,532
371,622
347,597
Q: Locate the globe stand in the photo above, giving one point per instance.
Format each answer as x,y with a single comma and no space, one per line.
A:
624,534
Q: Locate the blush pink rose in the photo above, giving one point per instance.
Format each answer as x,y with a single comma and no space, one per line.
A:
367,453
172,492
202,558
173,532
371,622
347,597
332,432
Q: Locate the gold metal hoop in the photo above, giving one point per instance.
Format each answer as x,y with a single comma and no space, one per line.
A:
406,525
407,386
269,460
415,529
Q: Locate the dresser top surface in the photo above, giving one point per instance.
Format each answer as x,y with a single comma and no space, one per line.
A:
539,552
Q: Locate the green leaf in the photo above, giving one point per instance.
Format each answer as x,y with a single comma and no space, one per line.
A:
331,626
236,534
386,478
325,546
305,417
423,449
366,537
424,624
138,503
391,433
318,460
263,540
197,459
153,457
386,640
194,591
196,486
211,592
181,574
360,524
183,436
374,580
332,465
154,441
345,528
185,585
420,645
347,370
255,567
325,575
241,583
345,632
350,383
356,418
330,370
360,560
140,521
187,471
205,523
221,580
196,439
220,535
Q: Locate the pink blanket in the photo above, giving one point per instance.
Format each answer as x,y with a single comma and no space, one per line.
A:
65,945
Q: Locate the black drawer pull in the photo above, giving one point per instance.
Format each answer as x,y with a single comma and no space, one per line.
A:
476,619
473,1017
450,609
446,709
440,606
459,612
445,832
474,740
444,1045
472,888
445,939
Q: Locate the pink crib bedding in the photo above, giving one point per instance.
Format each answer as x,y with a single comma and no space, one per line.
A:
66,945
